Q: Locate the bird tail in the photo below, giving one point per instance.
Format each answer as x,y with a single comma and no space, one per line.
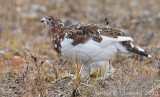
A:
139,50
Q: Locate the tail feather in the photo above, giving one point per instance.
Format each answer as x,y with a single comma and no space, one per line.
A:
136,49
139,50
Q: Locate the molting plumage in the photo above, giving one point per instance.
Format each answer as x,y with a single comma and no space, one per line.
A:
91,44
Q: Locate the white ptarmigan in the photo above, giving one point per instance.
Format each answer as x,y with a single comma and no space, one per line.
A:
91,45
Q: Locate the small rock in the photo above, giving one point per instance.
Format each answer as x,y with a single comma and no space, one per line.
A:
146,13
57,1
16,62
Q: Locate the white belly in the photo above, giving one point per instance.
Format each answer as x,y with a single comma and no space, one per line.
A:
90,51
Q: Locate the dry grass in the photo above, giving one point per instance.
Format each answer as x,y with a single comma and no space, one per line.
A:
38,70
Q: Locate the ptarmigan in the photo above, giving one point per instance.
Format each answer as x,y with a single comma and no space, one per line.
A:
92,45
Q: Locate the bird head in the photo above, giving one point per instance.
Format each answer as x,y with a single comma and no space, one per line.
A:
52,21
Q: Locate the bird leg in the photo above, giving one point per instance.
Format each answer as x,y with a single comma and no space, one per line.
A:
106,67
85,71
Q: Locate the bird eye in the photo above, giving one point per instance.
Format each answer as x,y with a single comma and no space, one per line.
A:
49,19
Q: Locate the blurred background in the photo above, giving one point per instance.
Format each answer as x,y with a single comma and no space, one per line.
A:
21,31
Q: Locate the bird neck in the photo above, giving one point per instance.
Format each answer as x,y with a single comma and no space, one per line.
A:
56,29
57,35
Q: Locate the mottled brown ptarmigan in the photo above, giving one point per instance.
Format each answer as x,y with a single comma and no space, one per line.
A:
92,44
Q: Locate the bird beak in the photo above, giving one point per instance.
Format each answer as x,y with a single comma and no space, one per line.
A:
43,20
